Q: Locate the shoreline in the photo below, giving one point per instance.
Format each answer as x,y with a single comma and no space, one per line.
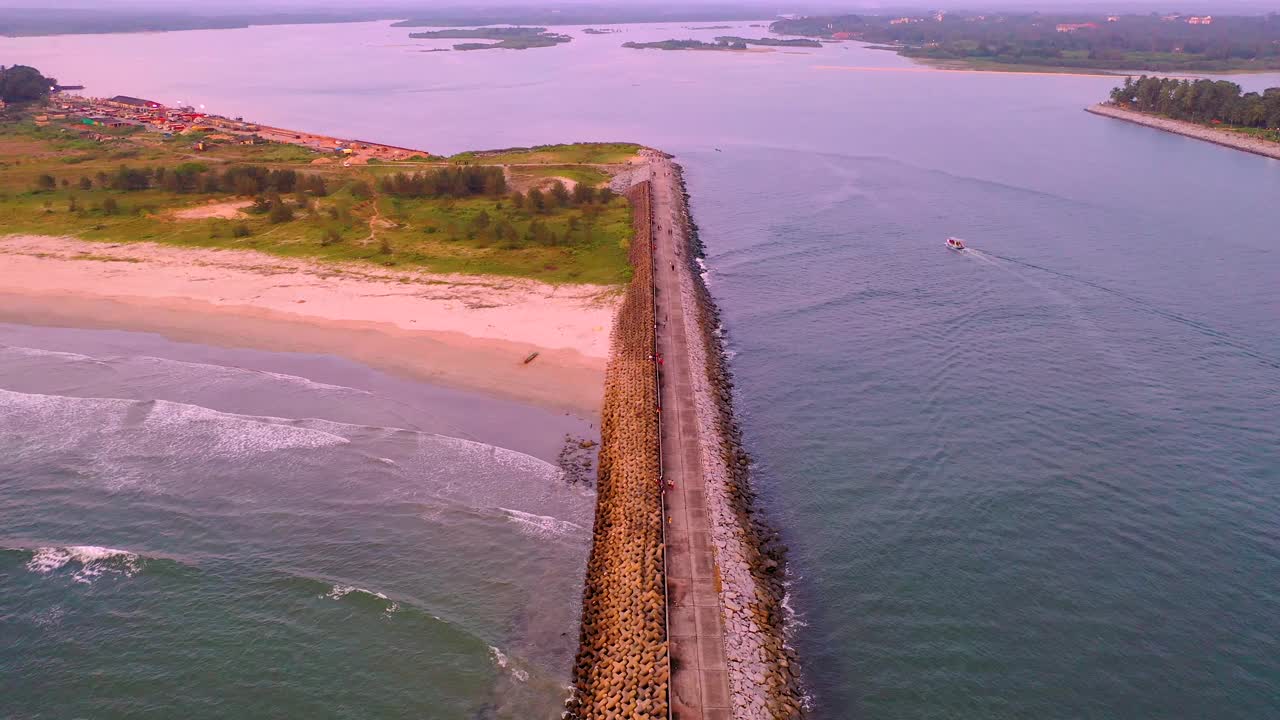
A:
925,67
1224,138
467,332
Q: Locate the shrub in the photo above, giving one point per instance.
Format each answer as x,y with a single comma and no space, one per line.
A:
240,230
279,213
110,206
360,190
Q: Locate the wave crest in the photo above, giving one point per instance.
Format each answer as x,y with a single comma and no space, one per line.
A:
93,561
339,591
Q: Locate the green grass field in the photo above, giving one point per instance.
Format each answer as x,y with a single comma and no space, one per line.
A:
576,154
353,221
577,173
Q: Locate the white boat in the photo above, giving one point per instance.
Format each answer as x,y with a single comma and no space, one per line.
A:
955,243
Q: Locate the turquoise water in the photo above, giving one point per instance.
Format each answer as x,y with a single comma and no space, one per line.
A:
1037,479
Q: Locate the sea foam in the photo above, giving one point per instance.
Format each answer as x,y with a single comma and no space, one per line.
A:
541,525
503,662
93,561
339,591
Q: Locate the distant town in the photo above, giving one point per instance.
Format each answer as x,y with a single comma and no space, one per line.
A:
125,112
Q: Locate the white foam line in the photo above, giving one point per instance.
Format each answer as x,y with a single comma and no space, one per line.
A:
503,662
38,352
543,525
107,359
236,368
51,410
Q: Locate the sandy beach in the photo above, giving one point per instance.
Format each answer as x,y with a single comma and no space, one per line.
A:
465,331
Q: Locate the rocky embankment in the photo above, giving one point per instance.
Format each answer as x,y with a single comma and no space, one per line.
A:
749,556
1230,139
622,670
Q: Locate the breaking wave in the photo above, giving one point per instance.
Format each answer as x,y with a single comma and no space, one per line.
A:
339,591
89,561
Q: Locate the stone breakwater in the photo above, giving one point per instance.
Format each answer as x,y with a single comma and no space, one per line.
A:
750,557
1227,138
622,669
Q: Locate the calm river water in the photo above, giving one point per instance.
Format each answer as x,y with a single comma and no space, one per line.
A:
1038,479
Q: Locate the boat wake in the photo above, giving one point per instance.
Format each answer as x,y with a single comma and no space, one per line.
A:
1144,305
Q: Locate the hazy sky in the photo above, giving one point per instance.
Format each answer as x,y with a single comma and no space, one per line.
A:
767,7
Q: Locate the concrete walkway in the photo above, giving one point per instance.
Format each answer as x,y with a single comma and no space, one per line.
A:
699,678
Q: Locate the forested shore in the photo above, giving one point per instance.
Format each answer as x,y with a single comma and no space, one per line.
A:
1217,102
1172,42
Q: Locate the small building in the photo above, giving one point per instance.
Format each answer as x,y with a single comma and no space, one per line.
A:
1113,18
1072,27
1200,20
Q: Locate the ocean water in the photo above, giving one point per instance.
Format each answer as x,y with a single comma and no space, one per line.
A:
1035,479
233,540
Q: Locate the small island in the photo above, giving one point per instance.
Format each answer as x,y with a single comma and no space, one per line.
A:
600,31
770,42
508,38
1213,110
724,42
683,45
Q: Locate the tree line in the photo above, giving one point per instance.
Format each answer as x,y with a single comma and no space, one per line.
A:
197,178
1203,101
559,196
457,182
